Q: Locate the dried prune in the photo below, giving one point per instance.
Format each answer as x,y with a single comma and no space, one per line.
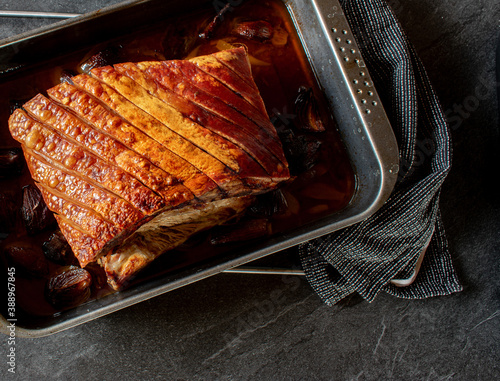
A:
27,258
34,212
58,250
11,162
99,280
68,287
307,110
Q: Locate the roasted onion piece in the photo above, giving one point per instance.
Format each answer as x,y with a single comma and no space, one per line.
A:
34,212
302,150
27,258
280,37
99,281
68,287
58,250
306,108
254,30
11,162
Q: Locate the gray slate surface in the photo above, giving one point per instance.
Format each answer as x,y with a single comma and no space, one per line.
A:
273,327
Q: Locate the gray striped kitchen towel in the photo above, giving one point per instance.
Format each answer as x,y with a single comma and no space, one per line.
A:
365,257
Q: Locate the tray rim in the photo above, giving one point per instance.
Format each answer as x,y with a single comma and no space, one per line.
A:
386,154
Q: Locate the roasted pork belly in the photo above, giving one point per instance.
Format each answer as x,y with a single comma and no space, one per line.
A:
135,158
165,232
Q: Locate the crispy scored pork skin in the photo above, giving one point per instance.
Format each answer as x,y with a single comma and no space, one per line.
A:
113,209
141,133
221,171
134,159
243,137
106,147
213,65
75,159
214,90
219,100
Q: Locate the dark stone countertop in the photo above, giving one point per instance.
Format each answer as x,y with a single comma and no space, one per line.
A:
232,327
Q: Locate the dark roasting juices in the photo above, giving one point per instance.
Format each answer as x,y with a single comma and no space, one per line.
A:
323,181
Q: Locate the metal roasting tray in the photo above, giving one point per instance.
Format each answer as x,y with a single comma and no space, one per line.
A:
343,77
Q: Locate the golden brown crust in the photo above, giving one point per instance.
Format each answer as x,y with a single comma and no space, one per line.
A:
249,141
212,66
104,146
218,90
148,136
78,161
86,220
111,208
139,131
84,247
237,61
235,72
207,92
176,132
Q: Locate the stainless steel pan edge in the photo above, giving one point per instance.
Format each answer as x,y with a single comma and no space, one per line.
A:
89,29
367,134
341,71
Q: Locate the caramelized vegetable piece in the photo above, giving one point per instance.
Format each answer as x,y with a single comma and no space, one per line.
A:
254,30
27,258
179,42
242,231
34,212
99,281
11,162
306,108
280,37
68,287
58,250
302,151
209,31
